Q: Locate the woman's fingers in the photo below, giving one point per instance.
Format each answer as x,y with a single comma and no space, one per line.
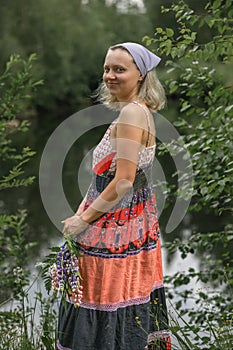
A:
74,225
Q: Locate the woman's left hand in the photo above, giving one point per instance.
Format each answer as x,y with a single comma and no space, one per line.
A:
73,226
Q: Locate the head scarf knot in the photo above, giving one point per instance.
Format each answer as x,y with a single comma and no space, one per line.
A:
144,59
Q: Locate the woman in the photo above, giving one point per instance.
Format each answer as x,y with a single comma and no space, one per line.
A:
116,227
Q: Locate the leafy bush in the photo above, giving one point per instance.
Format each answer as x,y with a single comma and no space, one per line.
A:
195,79
19,328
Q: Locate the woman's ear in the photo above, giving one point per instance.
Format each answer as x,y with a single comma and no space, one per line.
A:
140,78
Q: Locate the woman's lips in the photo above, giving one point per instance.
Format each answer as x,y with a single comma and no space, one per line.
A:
111,84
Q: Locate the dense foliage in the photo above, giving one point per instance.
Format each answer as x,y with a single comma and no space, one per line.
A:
19,326
206,122
69,38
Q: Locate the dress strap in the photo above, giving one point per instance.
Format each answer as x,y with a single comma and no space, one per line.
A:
147,118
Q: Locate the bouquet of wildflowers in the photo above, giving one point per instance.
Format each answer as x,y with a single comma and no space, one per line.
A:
64,275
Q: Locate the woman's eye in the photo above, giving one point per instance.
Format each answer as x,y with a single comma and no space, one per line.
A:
119,70
116,70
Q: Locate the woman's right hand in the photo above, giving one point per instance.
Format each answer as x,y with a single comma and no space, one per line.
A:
73,226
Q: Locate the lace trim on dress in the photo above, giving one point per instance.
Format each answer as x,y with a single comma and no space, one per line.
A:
114,307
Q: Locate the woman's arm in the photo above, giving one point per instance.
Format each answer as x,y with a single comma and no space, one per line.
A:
128,143
81,206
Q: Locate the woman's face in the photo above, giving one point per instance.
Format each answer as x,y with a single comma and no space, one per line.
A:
121,75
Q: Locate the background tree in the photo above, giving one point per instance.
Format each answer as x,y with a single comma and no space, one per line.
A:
70,39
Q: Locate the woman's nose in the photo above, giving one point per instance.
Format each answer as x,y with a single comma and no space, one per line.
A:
109,75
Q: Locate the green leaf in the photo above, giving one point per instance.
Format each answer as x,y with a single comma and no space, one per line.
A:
173,86
228,108
181,50
185,106
193,36
216,4
210,47
159,30
169,32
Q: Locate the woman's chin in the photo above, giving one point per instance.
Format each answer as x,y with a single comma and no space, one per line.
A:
113,93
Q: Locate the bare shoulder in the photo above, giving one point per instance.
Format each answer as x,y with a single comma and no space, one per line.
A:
133,115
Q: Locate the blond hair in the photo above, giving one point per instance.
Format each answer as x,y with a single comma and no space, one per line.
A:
150,91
